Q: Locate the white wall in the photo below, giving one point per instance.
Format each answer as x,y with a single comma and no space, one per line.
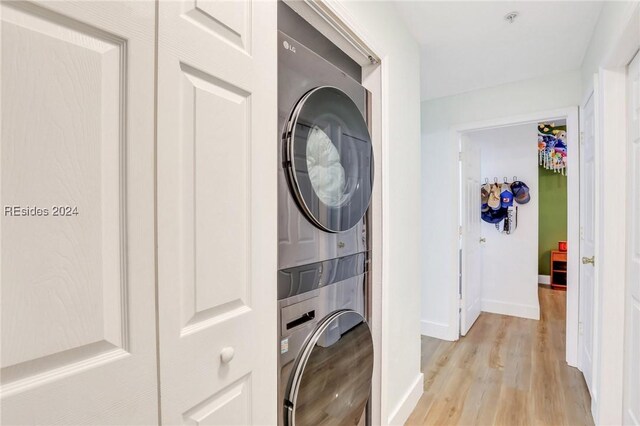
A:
510,262
608,29
402,382
439,164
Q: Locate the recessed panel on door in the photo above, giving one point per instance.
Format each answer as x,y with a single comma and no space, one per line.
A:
78,280
62,141
214,197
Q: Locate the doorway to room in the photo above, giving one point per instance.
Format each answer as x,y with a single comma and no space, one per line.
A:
516,335
552,205
499,248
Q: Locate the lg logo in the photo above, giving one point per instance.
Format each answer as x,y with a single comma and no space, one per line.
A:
288,46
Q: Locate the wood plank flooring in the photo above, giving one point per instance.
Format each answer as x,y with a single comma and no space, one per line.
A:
506,371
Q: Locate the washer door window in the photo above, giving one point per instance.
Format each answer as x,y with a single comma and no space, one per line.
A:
331,378
329,159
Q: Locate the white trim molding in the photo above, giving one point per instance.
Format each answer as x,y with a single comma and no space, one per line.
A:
438,330
573,225
403,410
334,22
544,279
512,309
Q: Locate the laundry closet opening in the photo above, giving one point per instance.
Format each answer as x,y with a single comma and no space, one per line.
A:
516,237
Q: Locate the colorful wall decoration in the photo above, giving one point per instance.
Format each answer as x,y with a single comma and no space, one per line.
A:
552,147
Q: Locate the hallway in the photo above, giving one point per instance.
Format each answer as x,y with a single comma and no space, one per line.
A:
506,371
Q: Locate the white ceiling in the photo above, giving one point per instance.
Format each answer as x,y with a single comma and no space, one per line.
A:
469,45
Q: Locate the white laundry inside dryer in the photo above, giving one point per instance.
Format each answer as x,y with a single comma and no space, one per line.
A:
325,170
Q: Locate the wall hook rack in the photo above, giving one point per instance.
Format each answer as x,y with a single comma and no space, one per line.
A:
504,179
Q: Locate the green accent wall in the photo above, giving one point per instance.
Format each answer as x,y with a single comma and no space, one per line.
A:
552,210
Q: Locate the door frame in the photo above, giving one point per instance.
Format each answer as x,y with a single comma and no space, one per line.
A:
573,204
627,402
334,22
611,112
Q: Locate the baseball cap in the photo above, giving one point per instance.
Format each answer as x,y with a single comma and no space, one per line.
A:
494,197
484,196
506,196
494,216
520,192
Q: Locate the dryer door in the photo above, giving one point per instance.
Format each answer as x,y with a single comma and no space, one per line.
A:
331,379
329,159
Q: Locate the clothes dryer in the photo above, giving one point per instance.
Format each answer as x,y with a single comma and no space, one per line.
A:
325,176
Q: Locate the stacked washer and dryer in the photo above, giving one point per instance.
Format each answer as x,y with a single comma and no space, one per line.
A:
324,189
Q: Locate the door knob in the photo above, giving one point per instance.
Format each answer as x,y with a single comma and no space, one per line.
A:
483,240
226,355
591,260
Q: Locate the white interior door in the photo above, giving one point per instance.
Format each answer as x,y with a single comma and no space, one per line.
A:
78,282
632,324
587,243
471,284
217,164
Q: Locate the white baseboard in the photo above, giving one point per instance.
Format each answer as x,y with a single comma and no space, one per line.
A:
544,279
438,330
513,309
405,407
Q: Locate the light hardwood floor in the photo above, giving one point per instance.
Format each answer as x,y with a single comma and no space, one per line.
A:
506,371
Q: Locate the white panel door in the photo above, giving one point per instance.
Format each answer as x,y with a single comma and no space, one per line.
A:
587,243
217,218
77,170
632,324
471,284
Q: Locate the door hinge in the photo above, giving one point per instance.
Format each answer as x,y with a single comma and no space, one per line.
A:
460,305
581,138
460,230
459,155
580,327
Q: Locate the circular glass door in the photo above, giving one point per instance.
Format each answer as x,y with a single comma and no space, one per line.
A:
329,159
331,378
